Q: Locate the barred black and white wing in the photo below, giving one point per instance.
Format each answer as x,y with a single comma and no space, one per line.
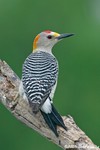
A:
39,76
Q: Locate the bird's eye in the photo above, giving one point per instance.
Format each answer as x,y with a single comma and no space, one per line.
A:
49,36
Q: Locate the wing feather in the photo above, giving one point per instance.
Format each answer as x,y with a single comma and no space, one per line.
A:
40,72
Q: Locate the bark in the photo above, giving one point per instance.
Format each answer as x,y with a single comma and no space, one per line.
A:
73,139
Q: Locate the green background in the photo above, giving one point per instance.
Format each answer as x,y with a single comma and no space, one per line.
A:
78,91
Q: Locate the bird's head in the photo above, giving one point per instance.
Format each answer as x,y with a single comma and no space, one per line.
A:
47,39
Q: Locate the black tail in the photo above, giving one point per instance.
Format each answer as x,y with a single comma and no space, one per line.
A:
53,119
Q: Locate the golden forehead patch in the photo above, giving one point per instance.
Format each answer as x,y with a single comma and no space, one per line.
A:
56,34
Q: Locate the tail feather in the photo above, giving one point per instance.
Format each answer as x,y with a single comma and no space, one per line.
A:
53,119
57,118
50,123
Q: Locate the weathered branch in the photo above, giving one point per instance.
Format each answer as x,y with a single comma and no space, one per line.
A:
74,138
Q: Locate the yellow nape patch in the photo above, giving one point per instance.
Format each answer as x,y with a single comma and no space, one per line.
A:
35,42
56,34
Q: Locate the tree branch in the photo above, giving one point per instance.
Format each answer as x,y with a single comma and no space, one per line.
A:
74,138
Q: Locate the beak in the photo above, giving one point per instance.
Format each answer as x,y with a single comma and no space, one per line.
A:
65,35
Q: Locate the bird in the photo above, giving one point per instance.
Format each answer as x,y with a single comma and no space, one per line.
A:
39,78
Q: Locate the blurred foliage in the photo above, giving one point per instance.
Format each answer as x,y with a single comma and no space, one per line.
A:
78,91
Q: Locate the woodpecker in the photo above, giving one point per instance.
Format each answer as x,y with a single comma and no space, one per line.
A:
39,78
